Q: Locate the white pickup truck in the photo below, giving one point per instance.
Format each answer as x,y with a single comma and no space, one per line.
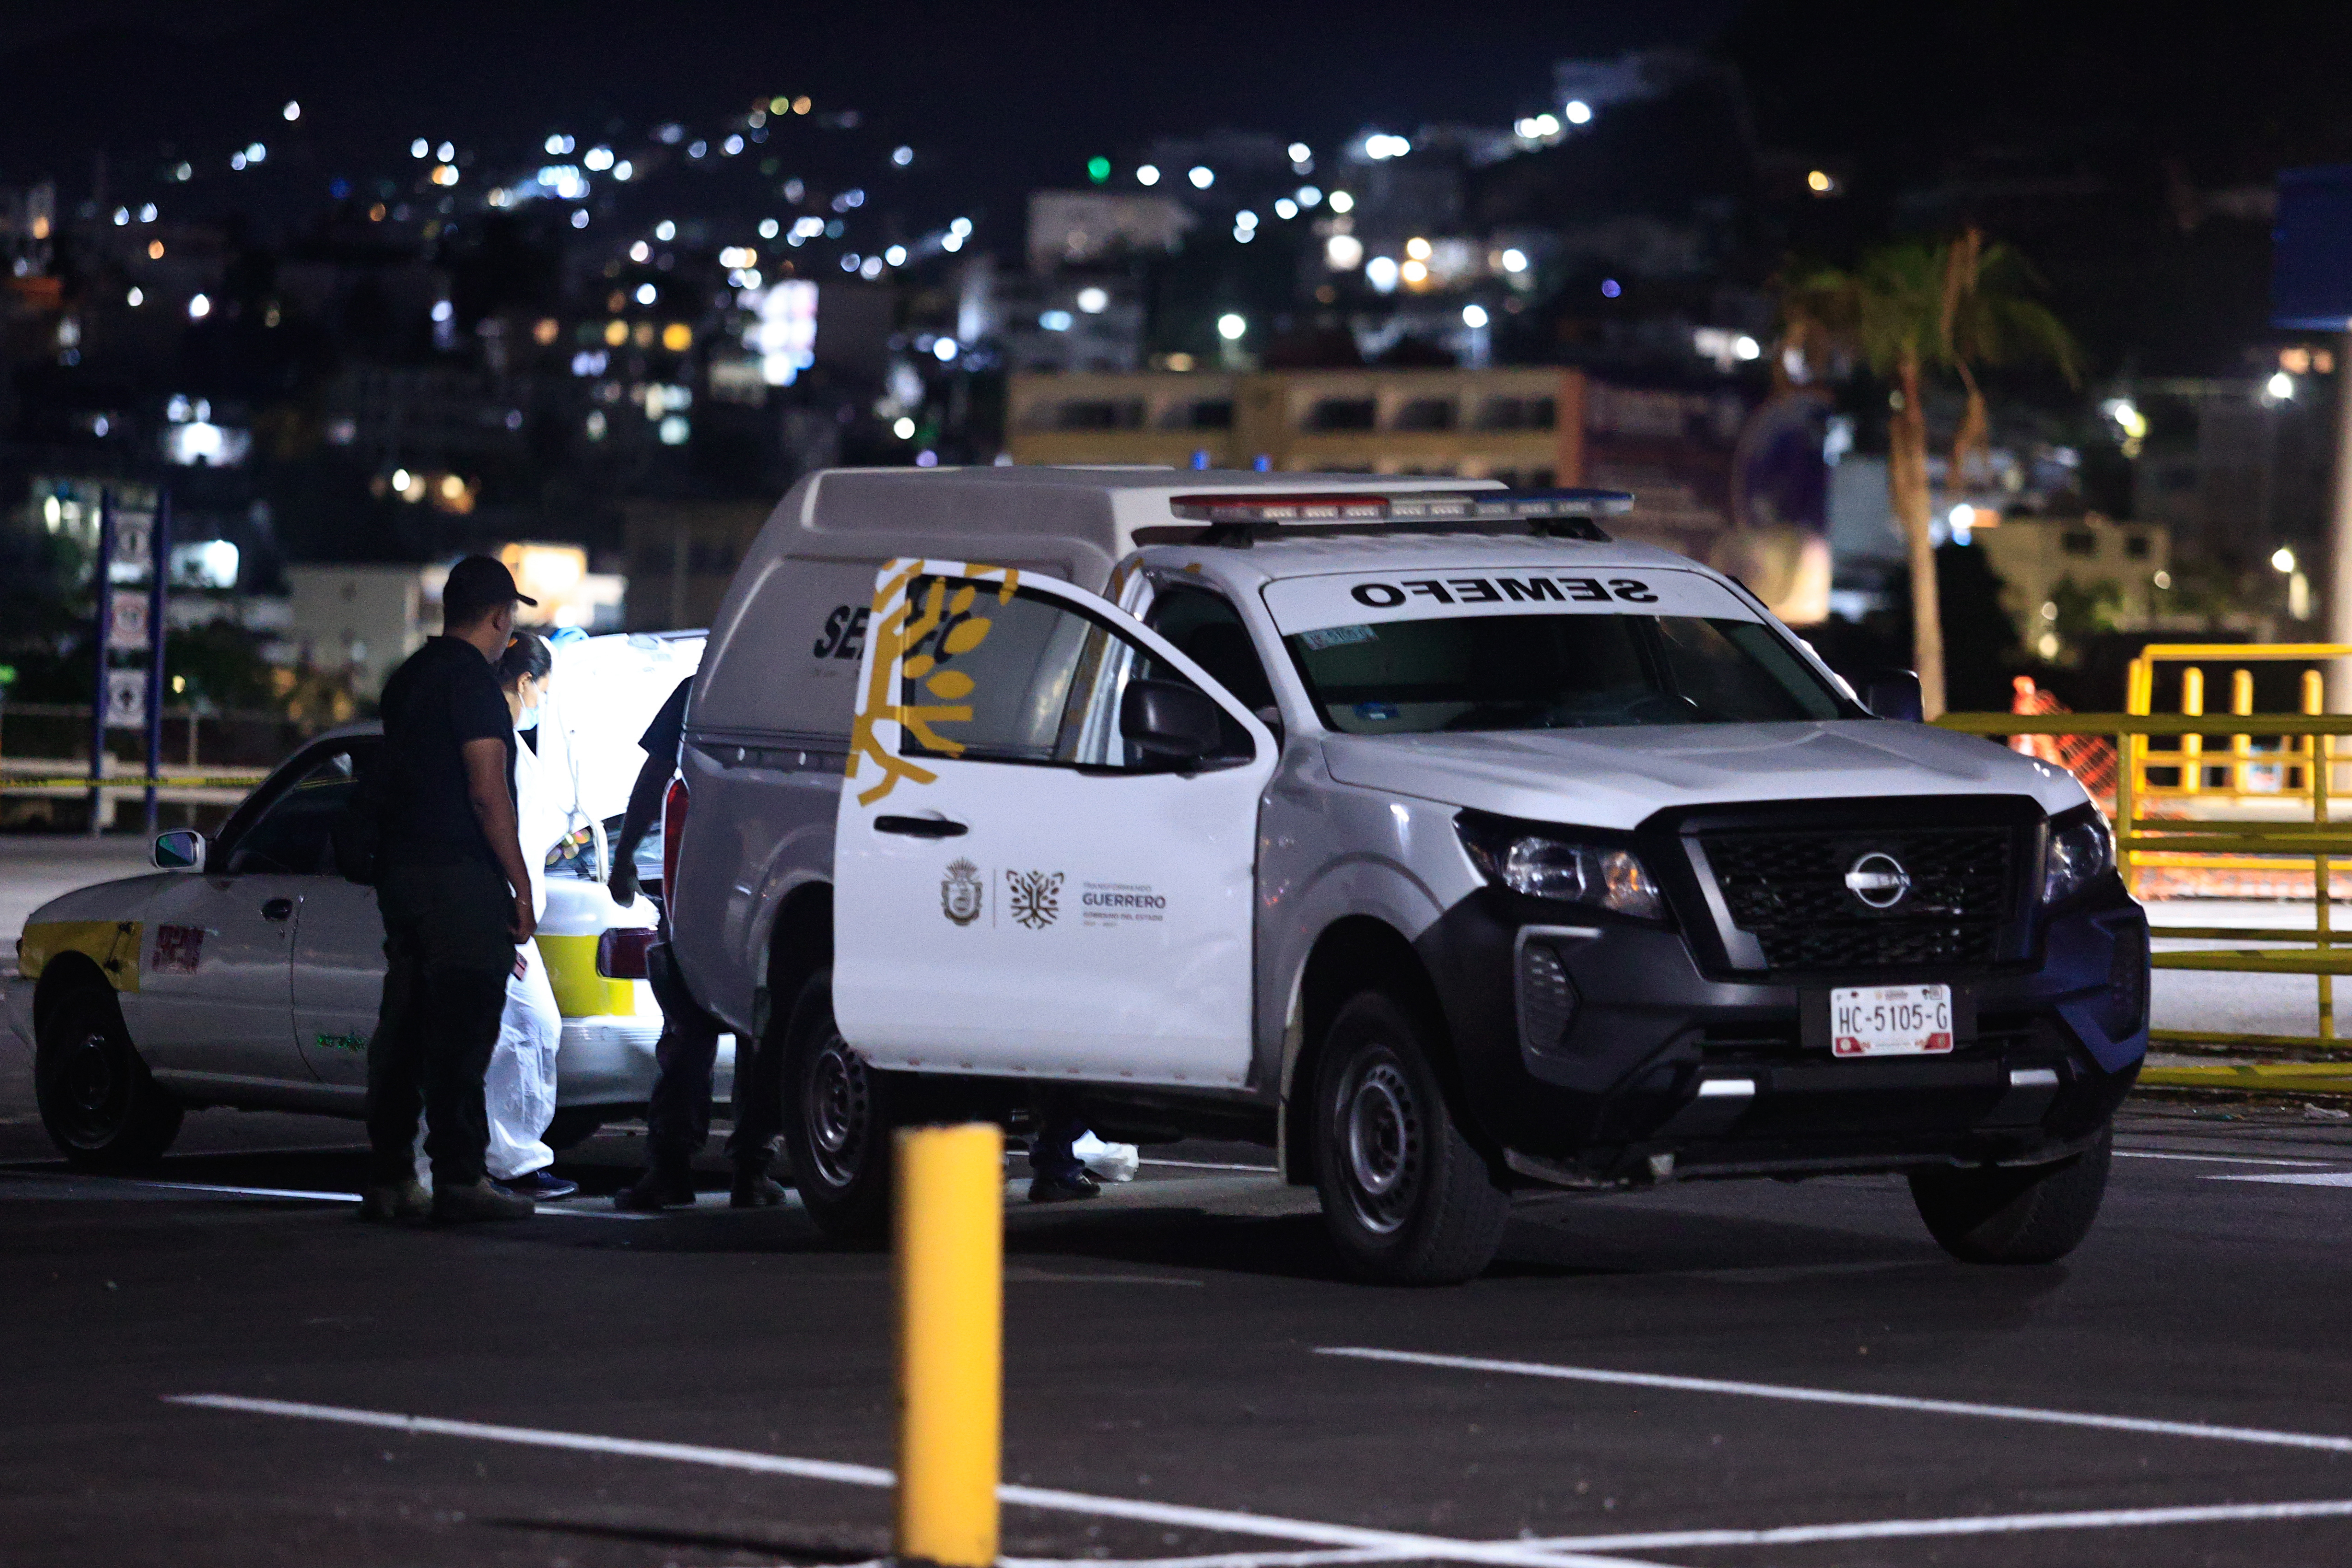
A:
1412,828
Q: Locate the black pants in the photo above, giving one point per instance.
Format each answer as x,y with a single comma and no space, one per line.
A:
1059,1123
678,1112
448,952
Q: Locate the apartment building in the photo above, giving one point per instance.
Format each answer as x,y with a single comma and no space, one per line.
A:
1522,427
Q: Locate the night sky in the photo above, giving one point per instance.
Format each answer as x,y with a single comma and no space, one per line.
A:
1008,99
2146,104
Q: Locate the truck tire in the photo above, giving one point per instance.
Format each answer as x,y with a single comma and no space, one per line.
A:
2033,1213
838,1117
1407,1198
100,1107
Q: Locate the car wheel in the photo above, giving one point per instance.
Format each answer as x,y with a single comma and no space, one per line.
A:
2033,1213
1408,1199
99,1105
838,1118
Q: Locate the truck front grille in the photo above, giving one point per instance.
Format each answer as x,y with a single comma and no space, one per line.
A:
1790,891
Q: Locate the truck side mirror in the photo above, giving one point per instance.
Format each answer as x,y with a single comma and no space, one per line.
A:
1895,694
1167,724
181,851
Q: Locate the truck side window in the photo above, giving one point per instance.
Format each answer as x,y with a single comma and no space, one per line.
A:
1041,686
1208,630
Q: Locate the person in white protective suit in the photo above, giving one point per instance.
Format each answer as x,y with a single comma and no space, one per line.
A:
519,1090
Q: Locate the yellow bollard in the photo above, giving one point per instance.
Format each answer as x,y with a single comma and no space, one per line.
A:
951,1277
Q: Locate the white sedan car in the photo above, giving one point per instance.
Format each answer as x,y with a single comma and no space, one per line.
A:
249,975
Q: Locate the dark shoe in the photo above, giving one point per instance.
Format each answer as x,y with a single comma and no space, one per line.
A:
540,1187
754,1189
477,1200
655,1191
1066,1189
395,1200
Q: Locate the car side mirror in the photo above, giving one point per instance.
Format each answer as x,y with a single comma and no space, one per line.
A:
179,851
1895,694
1167,724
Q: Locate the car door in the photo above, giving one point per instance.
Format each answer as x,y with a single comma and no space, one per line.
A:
219,988
1014,893
338,960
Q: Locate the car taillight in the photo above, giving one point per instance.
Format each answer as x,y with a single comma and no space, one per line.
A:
672,831
621,953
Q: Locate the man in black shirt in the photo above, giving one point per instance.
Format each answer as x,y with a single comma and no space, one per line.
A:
456,899
677,1115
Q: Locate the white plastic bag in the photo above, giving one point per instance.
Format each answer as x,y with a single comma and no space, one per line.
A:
518,1089
1108,1161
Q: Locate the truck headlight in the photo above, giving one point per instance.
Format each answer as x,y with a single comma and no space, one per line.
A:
1542,865
2081,850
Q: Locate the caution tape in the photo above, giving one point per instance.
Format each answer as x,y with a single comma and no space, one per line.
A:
132,781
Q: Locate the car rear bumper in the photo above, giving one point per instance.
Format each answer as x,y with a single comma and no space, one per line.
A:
610,1061
1626,1061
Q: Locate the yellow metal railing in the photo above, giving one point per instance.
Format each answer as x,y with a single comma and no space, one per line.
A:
2187,807
2244,772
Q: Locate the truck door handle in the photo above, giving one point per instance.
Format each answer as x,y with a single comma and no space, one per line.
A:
278,910
920,826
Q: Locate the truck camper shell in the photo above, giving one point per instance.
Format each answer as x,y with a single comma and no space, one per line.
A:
1072,523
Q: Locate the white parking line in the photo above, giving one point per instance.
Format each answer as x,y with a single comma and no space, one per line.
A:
2214,1159
2324,1443
559,1208
1389,1544
1213,1560
1793,1534
248,1192
2295,1179
1966,1524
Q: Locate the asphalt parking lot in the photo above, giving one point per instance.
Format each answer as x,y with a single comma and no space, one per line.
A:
210,1364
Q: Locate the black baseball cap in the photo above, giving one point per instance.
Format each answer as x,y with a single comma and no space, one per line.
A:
478,584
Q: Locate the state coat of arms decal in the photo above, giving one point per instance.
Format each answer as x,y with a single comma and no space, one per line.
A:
961,893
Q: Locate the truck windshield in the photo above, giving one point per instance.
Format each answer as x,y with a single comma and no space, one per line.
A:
1555,671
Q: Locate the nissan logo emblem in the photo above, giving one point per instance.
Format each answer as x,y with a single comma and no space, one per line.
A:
1878,880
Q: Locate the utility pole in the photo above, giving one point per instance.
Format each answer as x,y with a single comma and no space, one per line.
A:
2310,292
158,596
2339,535
101,633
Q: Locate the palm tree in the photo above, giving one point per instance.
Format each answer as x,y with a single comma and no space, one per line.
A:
1907,310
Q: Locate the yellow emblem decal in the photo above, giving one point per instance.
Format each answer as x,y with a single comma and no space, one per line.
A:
899,627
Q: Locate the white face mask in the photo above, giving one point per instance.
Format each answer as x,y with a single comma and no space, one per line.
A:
528,719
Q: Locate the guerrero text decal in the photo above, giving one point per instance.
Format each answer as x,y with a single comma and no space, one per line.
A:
1120,904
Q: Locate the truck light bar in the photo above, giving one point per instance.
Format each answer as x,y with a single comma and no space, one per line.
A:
1427,506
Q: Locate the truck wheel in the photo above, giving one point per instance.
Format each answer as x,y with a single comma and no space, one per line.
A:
838,1122
2034,1214
1408,1200
101,1109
